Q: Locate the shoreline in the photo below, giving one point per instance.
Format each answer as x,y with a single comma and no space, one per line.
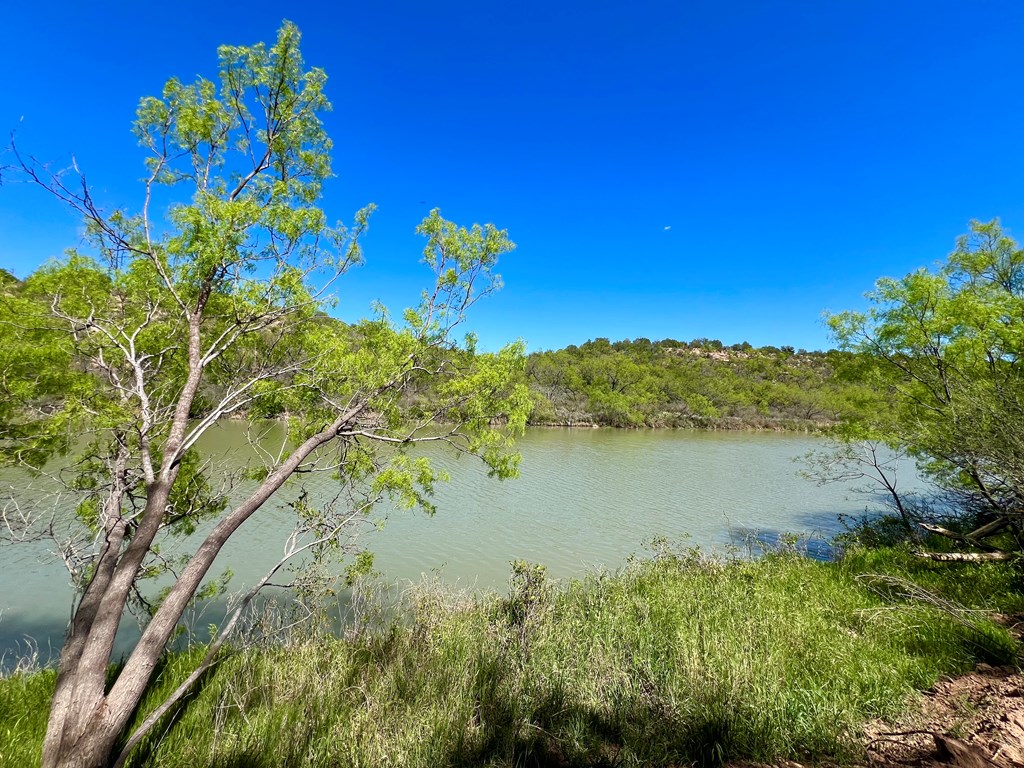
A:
677,660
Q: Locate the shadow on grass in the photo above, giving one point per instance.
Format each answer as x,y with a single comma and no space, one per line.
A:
559,735
510,725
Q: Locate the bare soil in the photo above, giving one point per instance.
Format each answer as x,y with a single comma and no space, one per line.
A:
972,721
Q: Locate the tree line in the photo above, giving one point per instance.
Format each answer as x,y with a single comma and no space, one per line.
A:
702,383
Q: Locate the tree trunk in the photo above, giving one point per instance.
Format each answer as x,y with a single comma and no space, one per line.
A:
85,720
70,702
967,557
92,749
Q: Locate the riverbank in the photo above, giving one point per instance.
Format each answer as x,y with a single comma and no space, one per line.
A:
674,660
693,423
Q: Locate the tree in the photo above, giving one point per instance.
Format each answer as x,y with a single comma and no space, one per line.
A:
170,326
947,349
851,460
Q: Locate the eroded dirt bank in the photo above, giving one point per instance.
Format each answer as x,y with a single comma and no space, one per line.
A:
973,721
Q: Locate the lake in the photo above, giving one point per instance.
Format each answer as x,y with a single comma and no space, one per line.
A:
586,498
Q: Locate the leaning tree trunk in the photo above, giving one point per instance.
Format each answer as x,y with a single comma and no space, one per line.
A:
86,721
81,725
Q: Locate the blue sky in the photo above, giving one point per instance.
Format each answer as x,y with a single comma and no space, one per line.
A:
667,169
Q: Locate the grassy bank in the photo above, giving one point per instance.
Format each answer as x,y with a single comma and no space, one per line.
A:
671,661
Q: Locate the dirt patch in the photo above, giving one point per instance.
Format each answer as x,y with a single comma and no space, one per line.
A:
972,721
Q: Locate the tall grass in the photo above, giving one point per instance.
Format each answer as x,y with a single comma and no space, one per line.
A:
673,661
24,707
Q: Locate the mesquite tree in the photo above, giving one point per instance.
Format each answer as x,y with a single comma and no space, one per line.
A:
945,350
125,356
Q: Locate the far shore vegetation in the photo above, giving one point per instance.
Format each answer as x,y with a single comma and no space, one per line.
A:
700,384
630,383
696,384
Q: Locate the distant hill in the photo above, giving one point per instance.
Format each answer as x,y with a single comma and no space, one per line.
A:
700,383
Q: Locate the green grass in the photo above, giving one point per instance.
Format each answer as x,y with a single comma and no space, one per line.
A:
24,706
670,662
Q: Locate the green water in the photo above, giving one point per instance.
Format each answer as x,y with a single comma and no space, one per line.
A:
586,499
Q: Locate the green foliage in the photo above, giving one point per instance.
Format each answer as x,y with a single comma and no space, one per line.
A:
529,597
702,384
360,567
36,367
24,700
945,347
100,347
986,587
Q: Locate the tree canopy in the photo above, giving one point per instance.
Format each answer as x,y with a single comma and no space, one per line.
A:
945,348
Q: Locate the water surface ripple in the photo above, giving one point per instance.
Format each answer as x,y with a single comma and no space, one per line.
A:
586,498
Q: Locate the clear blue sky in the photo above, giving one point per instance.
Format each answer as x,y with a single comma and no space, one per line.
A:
668,169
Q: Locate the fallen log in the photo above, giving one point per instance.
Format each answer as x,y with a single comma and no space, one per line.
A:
969,538
966,557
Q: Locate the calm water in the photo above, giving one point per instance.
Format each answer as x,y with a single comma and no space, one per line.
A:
586,498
